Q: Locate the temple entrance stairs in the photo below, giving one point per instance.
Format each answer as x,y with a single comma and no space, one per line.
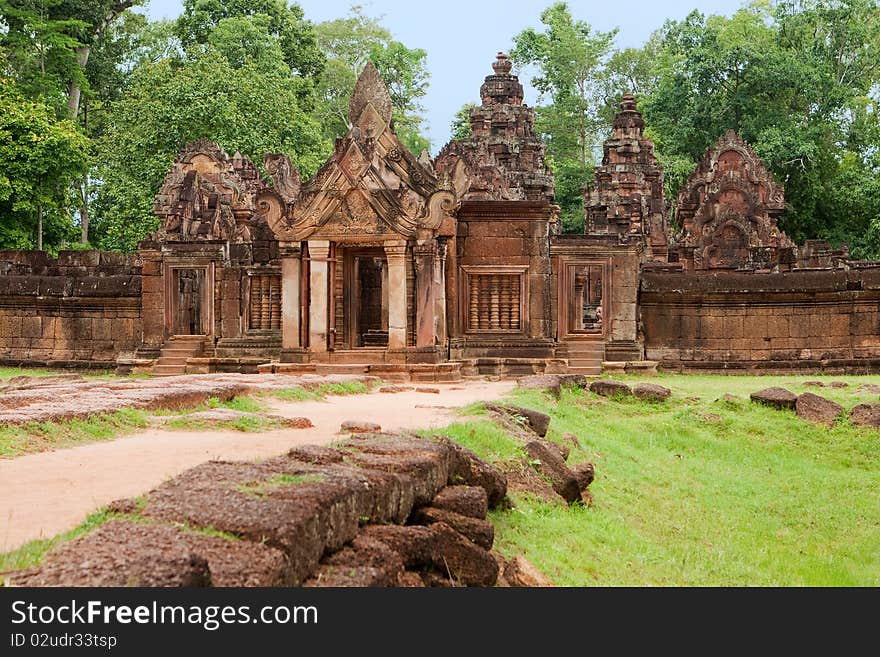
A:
176,352
584,357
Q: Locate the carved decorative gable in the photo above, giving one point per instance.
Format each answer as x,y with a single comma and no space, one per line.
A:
207,195
371,185
729,210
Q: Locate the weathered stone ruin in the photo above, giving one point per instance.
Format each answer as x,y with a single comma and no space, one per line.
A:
374,510
410,268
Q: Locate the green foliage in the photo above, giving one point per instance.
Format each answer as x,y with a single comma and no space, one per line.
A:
205,22
569,58
16,440
40,155
248,105
798,80
460,127
349,44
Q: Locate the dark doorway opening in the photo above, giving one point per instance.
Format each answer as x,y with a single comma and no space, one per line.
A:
188,286
367,289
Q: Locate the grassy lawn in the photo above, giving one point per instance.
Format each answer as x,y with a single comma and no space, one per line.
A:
702,490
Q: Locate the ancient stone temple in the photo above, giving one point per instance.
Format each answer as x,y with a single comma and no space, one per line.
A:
597,273
500,318
728,211
413,268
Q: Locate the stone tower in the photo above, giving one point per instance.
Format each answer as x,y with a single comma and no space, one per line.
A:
503,157
627,196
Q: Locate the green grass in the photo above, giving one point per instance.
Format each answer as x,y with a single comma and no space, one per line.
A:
262,488
31,553
702,491
16,440
298,393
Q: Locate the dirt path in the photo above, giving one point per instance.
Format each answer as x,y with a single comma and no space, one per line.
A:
44,494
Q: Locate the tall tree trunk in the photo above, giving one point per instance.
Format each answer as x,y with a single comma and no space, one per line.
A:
74,91
40,227
84,210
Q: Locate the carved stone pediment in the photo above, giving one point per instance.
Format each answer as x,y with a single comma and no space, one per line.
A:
729,209
207,195
371,185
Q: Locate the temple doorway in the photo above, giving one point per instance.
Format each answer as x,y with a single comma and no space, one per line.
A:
367,294
586,306
188,310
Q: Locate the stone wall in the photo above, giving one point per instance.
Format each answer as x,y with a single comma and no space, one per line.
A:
767,322
81,310
509,238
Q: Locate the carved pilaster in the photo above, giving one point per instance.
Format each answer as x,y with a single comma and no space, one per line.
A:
319,251
291,253
396,254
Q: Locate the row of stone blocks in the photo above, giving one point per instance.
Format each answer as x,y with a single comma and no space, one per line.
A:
373,510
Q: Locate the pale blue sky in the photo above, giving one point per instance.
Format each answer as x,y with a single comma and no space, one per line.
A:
461,37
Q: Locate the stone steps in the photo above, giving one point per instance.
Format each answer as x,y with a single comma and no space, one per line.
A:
583,357
176,352
169,370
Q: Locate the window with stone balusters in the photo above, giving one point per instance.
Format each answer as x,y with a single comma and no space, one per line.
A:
494,301
265,302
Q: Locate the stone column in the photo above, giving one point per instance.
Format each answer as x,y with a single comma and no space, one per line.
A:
319,250
440,293
290,297
396,254
424,258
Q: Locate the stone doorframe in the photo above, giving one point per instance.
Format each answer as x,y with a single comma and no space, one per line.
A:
352,289
565,289
170,268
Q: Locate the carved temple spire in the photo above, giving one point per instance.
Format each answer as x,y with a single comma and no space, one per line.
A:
503,159
627,196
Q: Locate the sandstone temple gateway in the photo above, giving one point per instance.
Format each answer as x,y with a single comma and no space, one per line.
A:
433,269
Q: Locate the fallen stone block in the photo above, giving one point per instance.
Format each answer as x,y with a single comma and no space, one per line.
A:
584,473
519,571
534,420
348,576
122,553
461,560
370,553
395,389
425,461
469,469
549,382
470,501
651,392
359,426
610,388
865,415
573,380
301,510
549,463
775,397
412,543
817,409
480,532
410,580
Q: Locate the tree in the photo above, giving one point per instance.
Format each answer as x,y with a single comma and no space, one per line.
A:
285,23
569,58
350,43
40,155
798,80
460,127
253,107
